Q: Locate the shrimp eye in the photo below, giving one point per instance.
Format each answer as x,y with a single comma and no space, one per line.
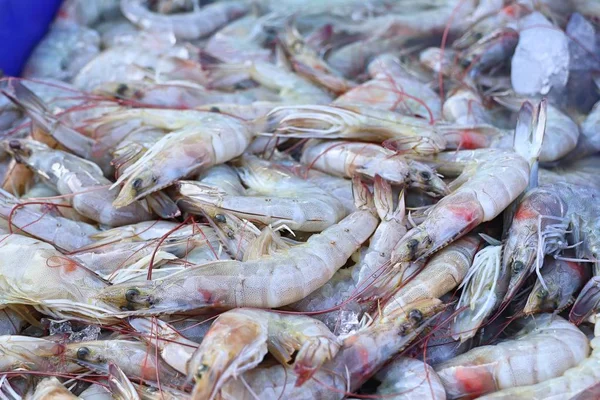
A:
220,218
412,244
425,175
131,294
215,109
14,144
137,183
542,293
201,370
122,89
517,266
415,315
83,353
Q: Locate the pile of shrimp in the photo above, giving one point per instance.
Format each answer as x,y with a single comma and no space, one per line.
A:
301,199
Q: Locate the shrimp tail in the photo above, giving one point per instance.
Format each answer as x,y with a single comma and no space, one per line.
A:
162,205
35,108
384,202
119,384
312,355
587,302
529,135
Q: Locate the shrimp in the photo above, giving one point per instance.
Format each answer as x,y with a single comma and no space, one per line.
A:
444,271
540,225
491,50
578,378
589,140
197,140
483,290
298,204
45,222
62,52
544,349
239,339
71,175
270,281
240,41
360,356
28,353
392,88
356,122
199,22
224,177
348,159
136,359
51,283
82,12
490,181
51,388
120,385
406,378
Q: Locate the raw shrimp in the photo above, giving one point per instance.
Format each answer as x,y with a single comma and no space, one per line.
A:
79,178
224,177
589,140
580,377
202,139
51,283
136,359
392,88
27,352
348,159
83,12
555,290
199,22
406,378
50,388
444,271
281,198
62,52
119,384
239,339
491,50
271,281
491,179
545,348
45,222
240,41
483,290
361,355
356,122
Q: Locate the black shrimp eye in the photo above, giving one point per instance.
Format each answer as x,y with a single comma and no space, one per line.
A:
517,266
426,175
122,89
14,144
83,353
215,109
131,294
416,316
412,243
137,183
220,218
201,370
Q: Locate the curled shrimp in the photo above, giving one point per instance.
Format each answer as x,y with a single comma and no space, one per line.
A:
406,378
546,347
199,22
202,139
491,179
271,281
356,122
348,159
239,339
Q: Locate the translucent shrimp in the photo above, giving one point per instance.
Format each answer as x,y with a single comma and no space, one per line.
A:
45,222
406,378
199,22
444,271
136,359
357,122
491,179
361,355
62,52
584,375
270,281
240,41
202,139
52,283
224,177
392,88
348,159
544,349
483,290
79,178
50,388
562,279
281,198
239,339
27,352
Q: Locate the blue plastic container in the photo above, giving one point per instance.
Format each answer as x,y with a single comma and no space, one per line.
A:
23,23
